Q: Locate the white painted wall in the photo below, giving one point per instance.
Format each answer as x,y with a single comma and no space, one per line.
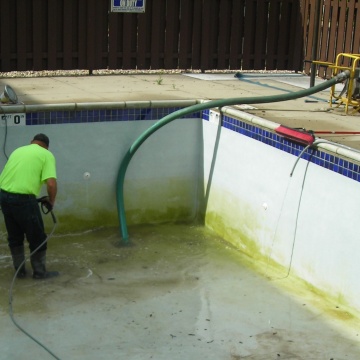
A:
161,182
307,223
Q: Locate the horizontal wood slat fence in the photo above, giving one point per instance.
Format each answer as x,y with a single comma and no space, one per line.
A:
175,34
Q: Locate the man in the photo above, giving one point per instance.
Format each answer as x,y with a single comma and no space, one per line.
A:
27,169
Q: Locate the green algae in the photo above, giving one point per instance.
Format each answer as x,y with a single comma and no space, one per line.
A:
70,223
169,200
332,304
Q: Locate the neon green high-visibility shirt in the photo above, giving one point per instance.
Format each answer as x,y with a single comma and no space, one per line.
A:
27,168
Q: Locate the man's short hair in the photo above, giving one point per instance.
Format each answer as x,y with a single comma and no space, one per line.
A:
43,138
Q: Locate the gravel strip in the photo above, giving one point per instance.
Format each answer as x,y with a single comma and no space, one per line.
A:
55,73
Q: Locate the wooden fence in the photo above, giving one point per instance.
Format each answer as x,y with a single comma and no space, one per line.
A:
174,34
339,31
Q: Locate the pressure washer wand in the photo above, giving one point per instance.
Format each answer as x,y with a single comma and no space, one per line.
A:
46,207
53,217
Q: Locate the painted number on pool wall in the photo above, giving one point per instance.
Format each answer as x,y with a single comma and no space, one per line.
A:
13,119
134,6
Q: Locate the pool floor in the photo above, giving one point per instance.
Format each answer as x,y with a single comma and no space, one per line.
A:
178,292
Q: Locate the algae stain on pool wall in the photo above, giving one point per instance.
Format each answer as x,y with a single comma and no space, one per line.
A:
148,201
160,200
234,222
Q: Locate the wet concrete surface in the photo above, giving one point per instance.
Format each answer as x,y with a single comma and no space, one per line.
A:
177,292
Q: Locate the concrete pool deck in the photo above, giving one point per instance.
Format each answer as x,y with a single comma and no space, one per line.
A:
178,293
311,113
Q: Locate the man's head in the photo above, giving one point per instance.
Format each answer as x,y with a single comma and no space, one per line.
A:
42,140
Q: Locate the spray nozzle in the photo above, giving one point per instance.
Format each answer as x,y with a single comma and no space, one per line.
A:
46,206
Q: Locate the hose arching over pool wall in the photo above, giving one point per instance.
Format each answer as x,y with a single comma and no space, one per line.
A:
198,107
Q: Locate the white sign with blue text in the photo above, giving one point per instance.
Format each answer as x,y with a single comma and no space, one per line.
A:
132,6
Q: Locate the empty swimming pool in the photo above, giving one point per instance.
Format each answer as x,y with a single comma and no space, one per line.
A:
183,291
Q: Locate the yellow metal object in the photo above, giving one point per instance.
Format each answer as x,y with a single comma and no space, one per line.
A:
350,99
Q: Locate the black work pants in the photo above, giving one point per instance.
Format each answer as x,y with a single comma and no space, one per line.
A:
23,218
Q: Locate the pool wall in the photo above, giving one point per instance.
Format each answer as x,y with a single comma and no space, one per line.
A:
162,181
306,223
230,170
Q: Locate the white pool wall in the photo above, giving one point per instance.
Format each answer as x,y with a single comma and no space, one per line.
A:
306,223
162,181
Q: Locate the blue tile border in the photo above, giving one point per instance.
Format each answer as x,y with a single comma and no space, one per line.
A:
331,162
91,116
321,158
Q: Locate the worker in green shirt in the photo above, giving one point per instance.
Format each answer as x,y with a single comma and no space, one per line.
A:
27,169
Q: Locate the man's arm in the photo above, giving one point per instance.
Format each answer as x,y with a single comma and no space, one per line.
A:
51,186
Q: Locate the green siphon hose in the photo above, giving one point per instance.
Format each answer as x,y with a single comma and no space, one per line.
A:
195,108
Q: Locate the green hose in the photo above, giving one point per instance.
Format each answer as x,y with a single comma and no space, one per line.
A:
195,108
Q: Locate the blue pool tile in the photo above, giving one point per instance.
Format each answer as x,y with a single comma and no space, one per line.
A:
321,158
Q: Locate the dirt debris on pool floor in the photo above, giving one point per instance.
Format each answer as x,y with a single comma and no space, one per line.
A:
178,292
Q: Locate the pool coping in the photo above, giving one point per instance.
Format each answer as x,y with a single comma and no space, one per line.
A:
327,146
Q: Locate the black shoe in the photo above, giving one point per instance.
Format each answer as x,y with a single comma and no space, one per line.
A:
21,274
38,261
45,275
18,257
